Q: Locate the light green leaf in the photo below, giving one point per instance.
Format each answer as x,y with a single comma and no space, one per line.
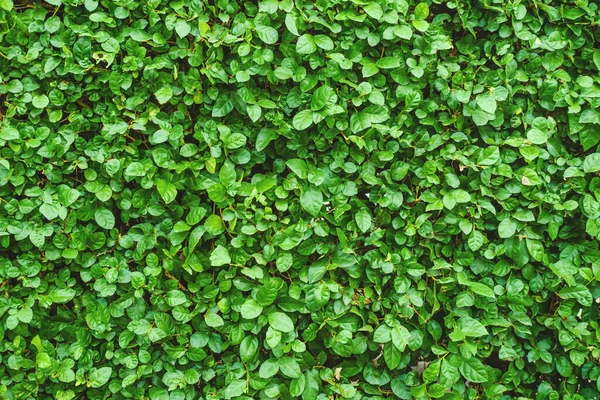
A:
265,136
222,107
164,94
40,101
473,370
476,240
213,320
299,167
578,292
321,97
61,295
306,44
489,156
471,327
281,322
8,132
303,120
289,367
324,42
596,58
421,11
363,220
481,289
267,34
104,218
311,200
167,190
591,163
487,103
175,298
6,4
248,348
214,225
268,369
374,10
182,28
99,377
251,309
359,122
507,228
235,389
219,256
420,25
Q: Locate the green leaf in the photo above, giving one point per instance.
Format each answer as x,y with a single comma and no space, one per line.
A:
363,220
265,136
299,199
487,103
222,107
596,58
306,44
374,10
251,309
175,298
227,174
164,94
359,122
299,167
565,270
281,322
219,256
591,163
104,218
303,120
578,292
9,133
6,4
289,367
421,11
43,360
267,34
476,240
134,169
62,295
471,327
311,200
489,156
25,315
214,225
213,320
421,25
248,348
324,42
507,228
67,196
235,389
50,211
40,101
99,377
321,97
167,190
195,237
268,369
182,28
473,370
481,289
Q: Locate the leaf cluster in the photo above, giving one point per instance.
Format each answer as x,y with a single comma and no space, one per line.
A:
286,199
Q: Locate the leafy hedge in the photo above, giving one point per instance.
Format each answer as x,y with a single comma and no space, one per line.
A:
299,199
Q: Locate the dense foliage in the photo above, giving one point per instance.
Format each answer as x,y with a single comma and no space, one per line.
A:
297,199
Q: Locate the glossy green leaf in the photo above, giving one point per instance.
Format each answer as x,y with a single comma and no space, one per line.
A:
280,321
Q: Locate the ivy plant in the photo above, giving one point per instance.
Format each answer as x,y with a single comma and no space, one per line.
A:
292,199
